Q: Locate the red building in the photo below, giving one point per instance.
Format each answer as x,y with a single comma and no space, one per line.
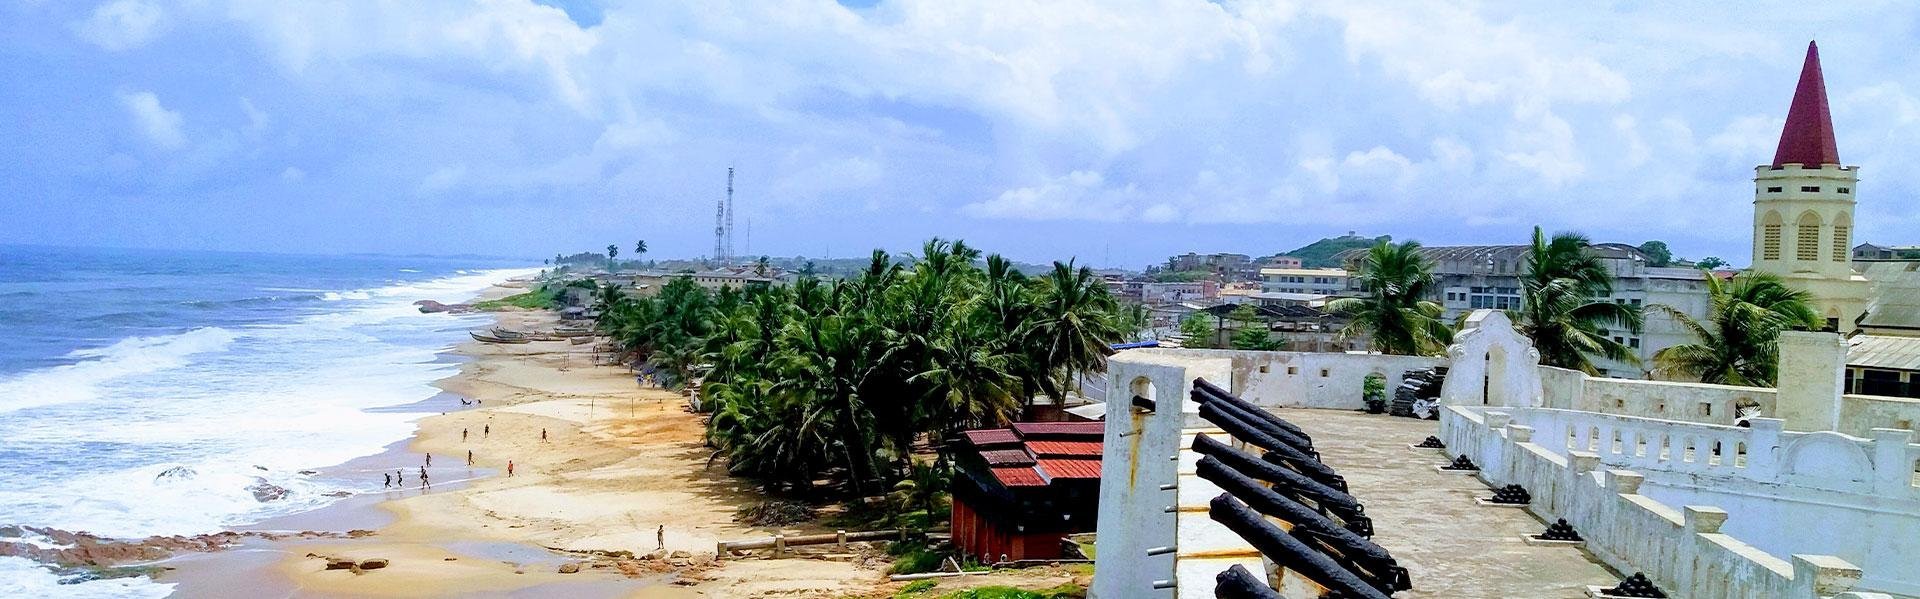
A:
1020,491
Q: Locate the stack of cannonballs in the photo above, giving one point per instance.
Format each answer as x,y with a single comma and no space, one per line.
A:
1432,442
1560,531
1636,586
1512,495
1461,463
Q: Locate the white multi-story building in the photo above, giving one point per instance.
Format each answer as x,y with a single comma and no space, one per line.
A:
1317,281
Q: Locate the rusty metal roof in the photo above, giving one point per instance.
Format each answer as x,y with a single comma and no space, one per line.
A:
1006,457
1059,469
1047,449
1060,429
991,437
1021,476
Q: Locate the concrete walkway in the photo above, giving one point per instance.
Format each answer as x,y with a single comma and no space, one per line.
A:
1451,546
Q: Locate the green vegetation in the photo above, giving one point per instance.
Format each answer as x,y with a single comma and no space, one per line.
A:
1564,306
837,380
1373,391
1182,276
917,587
1393,313
542,297
1657,253
1711,263
1065,591
1251,332
1319,254
914,557
1197,331
1739,344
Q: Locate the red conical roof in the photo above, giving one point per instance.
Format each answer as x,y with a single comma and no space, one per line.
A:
1808,136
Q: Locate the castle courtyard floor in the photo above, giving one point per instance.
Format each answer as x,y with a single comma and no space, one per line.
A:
1451,546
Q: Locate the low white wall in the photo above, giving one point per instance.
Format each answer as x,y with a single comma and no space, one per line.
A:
1682,551
1860,414
1792,492
1305,379
1136,461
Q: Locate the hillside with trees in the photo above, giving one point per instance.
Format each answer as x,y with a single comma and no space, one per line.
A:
1319,254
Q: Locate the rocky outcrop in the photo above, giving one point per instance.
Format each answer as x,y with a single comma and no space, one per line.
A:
264,491
433,307
80,549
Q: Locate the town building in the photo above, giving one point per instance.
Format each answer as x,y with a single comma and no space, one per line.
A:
1020,491
1475,277
1230,267
1319,281
1178,291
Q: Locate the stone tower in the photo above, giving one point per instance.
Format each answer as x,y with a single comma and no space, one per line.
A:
1803,207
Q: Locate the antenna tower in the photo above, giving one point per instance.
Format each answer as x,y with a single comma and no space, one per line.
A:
729,214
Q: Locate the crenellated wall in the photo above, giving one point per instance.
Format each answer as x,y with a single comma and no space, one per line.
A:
1683,550
1302,379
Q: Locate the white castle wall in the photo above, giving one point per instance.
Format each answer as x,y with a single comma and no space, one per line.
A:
1684,550
1795,492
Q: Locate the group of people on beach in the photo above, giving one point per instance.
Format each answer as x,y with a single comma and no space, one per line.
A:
397,480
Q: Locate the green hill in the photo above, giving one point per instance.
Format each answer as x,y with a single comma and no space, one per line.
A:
1319,254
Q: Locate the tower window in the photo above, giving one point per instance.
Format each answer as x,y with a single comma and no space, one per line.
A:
1770,242
1773,190
1810,188
1844,190
1840,233
1807,246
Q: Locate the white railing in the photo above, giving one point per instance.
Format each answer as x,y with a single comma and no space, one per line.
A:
1682,550
1884,465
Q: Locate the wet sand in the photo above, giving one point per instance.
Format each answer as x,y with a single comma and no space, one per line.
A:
619,461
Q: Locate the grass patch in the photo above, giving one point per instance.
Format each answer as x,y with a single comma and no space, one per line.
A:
1065,591
541,298
916,588
914,557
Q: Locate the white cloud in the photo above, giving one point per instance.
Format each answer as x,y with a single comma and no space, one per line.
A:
442,179
123,24
257,120
159,125
1080,195
292,174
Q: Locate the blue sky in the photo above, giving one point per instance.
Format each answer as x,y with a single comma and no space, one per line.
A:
1117,132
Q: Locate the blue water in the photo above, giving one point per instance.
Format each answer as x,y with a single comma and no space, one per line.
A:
232,369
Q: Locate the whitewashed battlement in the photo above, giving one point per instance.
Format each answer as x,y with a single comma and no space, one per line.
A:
1684,550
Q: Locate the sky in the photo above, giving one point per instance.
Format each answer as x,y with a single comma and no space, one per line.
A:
1116,132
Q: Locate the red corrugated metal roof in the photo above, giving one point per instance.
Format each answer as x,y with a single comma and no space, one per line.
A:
1006,457
1064,448
1019,477
1069,468
992,436
1074,429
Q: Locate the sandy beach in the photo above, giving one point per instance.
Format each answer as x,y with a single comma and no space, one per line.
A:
622,468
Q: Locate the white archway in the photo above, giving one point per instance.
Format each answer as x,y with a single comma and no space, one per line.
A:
1492,364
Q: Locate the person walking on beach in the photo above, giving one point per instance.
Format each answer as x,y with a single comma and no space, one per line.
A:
469,457
509,468
660,538
543,434
386,480
423,477
399,478
429,460
463,435
486,430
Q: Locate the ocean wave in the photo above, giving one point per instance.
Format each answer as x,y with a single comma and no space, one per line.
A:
247,301
334,296
128,357
21,577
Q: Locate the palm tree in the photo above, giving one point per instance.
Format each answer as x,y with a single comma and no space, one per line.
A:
761,266
1564,308
1739,344
612,252
1073,328
639,249
1394,314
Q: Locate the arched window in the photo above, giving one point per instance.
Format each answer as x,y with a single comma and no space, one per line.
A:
1842,236
1806,243
1770,236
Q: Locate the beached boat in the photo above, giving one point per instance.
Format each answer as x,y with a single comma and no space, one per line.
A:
580,340
506,333
573,332
486,338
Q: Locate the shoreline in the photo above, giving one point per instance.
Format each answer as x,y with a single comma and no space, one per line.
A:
620,461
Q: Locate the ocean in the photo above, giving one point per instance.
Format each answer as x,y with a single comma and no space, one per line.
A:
223,370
